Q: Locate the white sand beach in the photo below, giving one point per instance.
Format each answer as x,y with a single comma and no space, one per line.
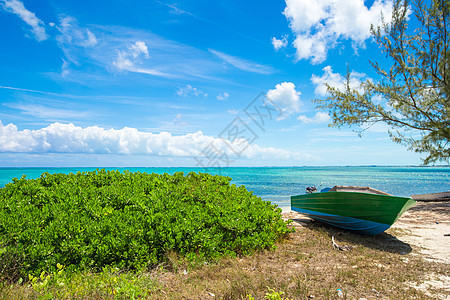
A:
426,228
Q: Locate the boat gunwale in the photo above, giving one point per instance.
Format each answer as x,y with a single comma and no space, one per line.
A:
363,193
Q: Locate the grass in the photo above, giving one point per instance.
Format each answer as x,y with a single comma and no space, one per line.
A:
304,266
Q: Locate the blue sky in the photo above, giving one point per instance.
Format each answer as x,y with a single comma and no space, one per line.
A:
188,83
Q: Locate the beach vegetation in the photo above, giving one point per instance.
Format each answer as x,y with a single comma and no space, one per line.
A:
413,95
381,267
130,221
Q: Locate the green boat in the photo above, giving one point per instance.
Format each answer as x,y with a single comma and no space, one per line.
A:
361,209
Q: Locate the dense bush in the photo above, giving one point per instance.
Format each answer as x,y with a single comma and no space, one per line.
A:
89,220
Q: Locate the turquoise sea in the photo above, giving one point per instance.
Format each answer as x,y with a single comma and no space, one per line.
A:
277,184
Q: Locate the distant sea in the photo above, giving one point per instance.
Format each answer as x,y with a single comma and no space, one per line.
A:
277,184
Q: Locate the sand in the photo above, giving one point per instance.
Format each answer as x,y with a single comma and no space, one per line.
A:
426,225
426,228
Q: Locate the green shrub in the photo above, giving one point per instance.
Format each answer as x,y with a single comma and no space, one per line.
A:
90,220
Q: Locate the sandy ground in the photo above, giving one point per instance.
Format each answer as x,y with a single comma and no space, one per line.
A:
427,224
426,228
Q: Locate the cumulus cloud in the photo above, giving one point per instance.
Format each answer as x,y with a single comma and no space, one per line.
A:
37,26
278,44
243,64
310,47
319,117
319,25
139,48
68,138
286,97
335,80
189,90
223,96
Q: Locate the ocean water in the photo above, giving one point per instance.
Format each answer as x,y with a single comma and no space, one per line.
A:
277,184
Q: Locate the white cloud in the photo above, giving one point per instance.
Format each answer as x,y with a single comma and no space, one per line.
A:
176,10
121,50
73,34
379,128
139,48
278,44
128,60
73,40
148,71
286,97
335,80
266,153
311,47
46,112
68,138
26,90
319,117
243,64
189,90
37,26
65,68
223,96
233,111
179,120
319,25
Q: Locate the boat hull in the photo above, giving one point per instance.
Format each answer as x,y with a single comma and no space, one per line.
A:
364,213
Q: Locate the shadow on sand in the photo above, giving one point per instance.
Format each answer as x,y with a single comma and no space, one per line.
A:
441,208
382,242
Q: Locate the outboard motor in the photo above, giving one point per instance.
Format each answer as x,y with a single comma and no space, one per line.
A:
311,189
